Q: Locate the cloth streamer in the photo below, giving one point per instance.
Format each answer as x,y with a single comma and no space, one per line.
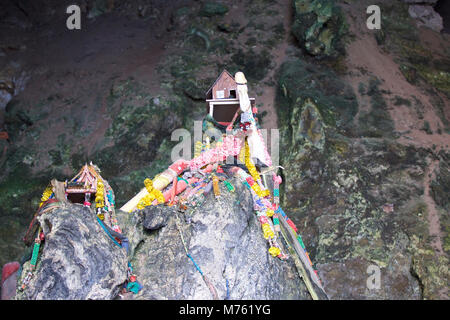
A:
180,187
255,139
231,147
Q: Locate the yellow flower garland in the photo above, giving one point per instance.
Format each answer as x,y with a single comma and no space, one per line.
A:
145,201
254,173
274,251
152,195
158,195
46,195
198,148
249,164
267,231
100,194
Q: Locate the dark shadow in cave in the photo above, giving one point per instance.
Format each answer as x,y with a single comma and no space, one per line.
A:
443,8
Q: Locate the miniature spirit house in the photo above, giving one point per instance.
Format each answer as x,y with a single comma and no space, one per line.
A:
222,100
82,186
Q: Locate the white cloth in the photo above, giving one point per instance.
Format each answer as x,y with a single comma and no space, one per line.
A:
247,117
255,141
244,101
257,146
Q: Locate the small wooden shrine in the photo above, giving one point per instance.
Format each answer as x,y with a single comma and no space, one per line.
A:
80,188
222,100
88,183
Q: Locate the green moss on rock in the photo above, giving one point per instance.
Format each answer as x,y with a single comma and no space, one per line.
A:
416,61
300,81
319,27
210,9
377,121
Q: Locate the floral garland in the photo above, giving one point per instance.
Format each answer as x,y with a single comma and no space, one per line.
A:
254,174
152,195
198,148
46,195
264,211
100,195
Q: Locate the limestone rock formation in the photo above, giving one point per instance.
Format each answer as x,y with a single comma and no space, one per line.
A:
77,260
223,236
427,16
338,191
